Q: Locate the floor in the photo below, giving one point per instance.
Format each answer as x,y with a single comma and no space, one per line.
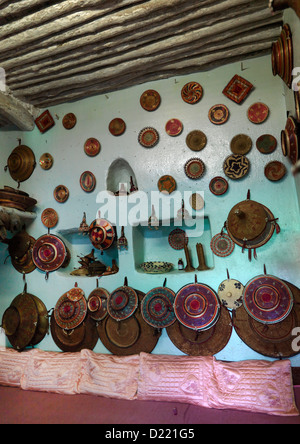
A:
28,407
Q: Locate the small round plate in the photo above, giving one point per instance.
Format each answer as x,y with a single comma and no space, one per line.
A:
174,127
178,239
166,184
49,218
266,144
150,100
218,186
92,147
241,144
69,121
258,113
275,170
194,168
192,92
196,201
148,137
236,166
222,245
46,161
87,181
196,140
218,114
117,127
61,194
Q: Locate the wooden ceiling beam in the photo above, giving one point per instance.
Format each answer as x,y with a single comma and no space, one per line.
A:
16,112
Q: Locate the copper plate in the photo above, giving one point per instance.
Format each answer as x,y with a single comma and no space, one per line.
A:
92,147
196,140
46,161
49,218
150,100
117,127
241,144
275,170
61,194
21,163
69,121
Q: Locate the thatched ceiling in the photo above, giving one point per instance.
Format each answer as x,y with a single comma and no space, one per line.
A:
58,51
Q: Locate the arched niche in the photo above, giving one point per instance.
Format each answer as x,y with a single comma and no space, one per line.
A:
120,172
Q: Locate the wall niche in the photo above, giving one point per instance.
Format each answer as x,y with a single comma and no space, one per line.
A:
119,173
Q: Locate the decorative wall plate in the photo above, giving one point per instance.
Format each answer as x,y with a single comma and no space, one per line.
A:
218,114
87,181
258,113
49,253
218,185
247,220
117,127
197,306
267,299
178,239
92,147
122,303
150,100
230,293
237,89
157,307
148,137
236,166
241,144
69,121
46,161
284,147
196,201
174,127
156,267
101,234
49,218
192,92
194,168
21,163
222,245
196,140
266,144
288,57
44,122
166,184
61,194
275,170
97,303
70,314
75,294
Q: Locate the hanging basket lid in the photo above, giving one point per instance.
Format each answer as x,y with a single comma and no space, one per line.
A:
267,299
157,307
247,220
97,304
230,293
122,303
69,314
101,234
49,253
197,306
203,343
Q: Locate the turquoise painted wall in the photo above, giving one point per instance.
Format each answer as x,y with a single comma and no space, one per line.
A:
281,254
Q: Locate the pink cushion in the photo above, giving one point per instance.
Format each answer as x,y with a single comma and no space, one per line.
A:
55,372
255,386
12,364
109,376
174,378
